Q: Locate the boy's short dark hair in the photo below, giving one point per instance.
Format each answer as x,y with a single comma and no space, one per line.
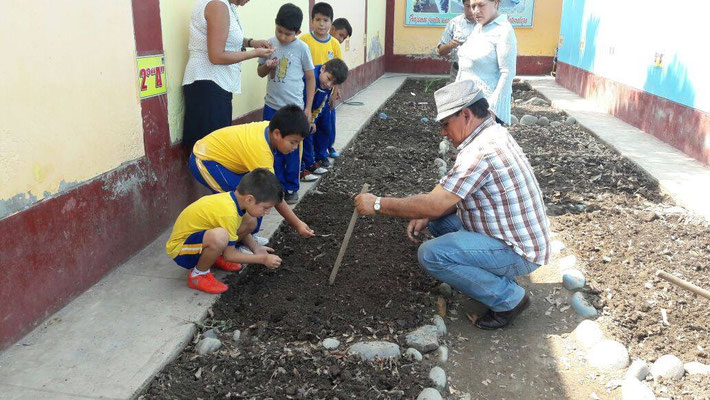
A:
338,69
290,120
263,185
342,23
322,9
290,17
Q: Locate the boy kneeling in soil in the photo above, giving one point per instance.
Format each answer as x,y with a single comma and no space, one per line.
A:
220,159
207,231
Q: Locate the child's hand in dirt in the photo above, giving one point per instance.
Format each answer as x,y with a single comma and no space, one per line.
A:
271,261
304,230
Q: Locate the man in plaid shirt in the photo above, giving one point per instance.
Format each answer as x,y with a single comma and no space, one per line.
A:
487,214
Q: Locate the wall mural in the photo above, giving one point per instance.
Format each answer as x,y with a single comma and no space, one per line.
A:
439,12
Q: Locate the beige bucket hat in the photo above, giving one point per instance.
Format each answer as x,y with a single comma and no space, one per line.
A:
456,96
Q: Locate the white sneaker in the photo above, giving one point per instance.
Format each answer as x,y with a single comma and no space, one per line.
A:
244,249
261,241
309,178
320,171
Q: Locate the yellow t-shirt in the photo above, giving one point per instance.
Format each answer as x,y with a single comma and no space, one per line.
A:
208,212
322,52
239,148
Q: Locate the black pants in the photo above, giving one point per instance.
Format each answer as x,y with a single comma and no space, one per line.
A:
208,107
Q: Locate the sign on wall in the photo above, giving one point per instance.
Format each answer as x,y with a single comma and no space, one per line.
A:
439,12
151,76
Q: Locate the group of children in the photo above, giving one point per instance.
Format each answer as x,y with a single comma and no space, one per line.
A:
254,167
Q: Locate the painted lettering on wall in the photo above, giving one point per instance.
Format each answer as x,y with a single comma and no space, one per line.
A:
151,76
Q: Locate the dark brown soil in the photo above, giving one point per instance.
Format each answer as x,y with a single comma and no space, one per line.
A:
605,210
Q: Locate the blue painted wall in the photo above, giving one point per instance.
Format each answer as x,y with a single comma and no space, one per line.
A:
623,41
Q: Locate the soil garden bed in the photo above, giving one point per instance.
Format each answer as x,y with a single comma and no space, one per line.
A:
604,209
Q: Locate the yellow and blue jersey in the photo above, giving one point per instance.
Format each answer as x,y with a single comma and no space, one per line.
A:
321,96
214,211
239,148
322,51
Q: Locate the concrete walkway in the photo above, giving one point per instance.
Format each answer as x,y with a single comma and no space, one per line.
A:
686,180
109,342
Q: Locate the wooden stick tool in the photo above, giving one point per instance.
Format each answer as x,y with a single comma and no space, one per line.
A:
346,240
684,284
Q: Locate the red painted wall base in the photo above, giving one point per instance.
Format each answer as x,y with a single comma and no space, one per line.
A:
684,128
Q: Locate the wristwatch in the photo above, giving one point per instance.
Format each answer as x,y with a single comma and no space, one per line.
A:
377,205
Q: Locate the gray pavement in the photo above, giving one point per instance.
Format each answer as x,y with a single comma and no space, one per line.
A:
110,341
685,179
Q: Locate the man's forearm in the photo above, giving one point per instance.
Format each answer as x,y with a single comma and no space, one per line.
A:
414,207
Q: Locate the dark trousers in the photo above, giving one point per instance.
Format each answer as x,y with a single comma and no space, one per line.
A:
208,107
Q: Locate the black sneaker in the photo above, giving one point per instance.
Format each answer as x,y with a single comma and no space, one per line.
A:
325,163
291,197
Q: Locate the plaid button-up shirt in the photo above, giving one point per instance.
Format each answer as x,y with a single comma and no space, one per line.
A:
500,196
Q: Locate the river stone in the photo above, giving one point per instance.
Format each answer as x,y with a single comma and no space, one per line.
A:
331,343
697,368
424,339
437,376
573,279
668,366
638,370
543,121
555,124
567,262
588,333
536,101
413,354
570,121
608,355
383,115
425,119
632,389
210,333
375,349
528,119
429,394
445,290
440,325
556,246
208,345
236,335
513,120
442,355
582,307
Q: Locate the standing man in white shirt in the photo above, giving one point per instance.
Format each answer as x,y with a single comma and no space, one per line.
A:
455,33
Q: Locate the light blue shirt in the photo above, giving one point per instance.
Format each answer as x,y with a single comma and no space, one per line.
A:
488,57
458,28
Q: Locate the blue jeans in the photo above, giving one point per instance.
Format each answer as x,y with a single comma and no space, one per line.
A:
480,266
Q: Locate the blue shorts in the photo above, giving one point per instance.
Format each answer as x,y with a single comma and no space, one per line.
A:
213,175
191,251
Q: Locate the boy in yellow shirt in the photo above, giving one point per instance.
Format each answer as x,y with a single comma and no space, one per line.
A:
210,227
324,47
220,159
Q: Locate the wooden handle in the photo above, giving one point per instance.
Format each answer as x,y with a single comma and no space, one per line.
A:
684,284
344,245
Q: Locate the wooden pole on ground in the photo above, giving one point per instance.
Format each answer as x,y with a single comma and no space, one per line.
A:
344,245
684,284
